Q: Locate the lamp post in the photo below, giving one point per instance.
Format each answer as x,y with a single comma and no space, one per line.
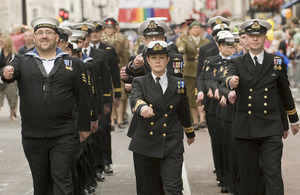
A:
24,12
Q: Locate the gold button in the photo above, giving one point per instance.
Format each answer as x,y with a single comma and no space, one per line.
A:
249,105
266,97
266,89
265,104
265,112
165,125
250,97
166,115
250,90
249,112
150,105
153,114
171,106
164,135
151,133
152,123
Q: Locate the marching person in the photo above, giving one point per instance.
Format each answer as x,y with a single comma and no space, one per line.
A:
160,101
259,79
50,82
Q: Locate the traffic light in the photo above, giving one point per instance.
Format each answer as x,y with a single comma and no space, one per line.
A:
64,14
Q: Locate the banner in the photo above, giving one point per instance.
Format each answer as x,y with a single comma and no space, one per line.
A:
139,15
144,4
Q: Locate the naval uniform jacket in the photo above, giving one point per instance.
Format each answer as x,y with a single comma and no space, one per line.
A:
258,104
46,104
162,134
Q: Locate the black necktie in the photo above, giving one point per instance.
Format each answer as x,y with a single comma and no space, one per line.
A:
257,64
85,51
157,83
94,47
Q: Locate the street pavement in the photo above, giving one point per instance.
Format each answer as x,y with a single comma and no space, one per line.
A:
15,176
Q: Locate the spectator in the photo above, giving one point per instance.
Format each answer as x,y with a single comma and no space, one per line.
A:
29,43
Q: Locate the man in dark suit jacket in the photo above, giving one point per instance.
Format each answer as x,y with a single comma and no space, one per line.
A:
160,102
260,79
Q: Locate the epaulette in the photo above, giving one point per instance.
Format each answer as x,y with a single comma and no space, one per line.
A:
108,48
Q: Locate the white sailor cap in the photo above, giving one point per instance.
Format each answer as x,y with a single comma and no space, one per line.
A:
77,34
255,26
219,27
236,36
217,20
99,24
157,47
65,32
84,27
153,27
225,37
45,22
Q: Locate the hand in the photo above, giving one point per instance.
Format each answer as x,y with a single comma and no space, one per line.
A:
190,140
295,128
232,97
106,108
217,95
138,62
123,75
128,87
200,98
209,93
117,102
223,101
8,72
146,112
285,134
94,126
234,81
83,135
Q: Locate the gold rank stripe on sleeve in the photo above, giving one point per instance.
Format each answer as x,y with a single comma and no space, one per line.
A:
138,103
93,89
107,94
83,77
134,71
188,129
91,112
108,48
291,112
117,89
227,82
196,91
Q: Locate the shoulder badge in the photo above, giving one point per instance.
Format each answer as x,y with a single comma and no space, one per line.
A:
176,59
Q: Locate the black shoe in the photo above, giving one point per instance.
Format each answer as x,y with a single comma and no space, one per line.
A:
87,192
125,121
219,183
100,177
225,190
214,171
108,169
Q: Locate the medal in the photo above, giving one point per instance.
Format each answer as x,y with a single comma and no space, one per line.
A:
279,67
182,90
275,67
178,86
178,90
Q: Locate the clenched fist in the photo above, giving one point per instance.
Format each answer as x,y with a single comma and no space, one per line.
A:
8,72
138,62
234,81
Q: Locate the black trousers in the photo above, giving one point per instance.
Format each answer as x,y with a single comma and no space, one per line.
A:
150,173
256,155
50,161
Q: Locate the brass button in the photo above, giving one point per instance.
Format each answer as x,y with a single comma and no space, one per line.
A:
171,106
266,97
152,123
150,105
165,125
166,115
250,90
151,133
164,135
265,104
153,114
249,112
249,105
250,97
266,89
265,112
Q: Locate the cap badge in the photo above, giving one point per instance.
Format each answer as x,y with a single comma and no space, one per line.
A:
96,24
152,25
222,27
157,47
84,27
218,21
109,22
255,25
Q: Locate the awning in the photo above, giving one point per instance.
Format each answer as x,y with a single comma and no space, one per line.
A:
289,4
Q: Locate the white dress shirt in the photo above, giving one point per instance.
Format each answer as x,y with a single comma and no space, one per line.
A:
163,81
48,64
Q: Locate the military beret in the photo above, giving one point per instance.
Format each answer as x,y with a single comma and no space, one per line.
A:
196,23
84,27
189,21
99,24
153,27
217,20
157,47
45,22
256,26
219,27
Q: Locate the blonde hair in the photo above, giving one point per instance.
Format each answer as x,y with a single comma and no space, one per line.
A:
8,44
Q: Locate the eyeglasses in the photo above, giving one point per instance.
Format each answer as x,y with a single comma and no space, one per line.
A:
41,33
157,37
